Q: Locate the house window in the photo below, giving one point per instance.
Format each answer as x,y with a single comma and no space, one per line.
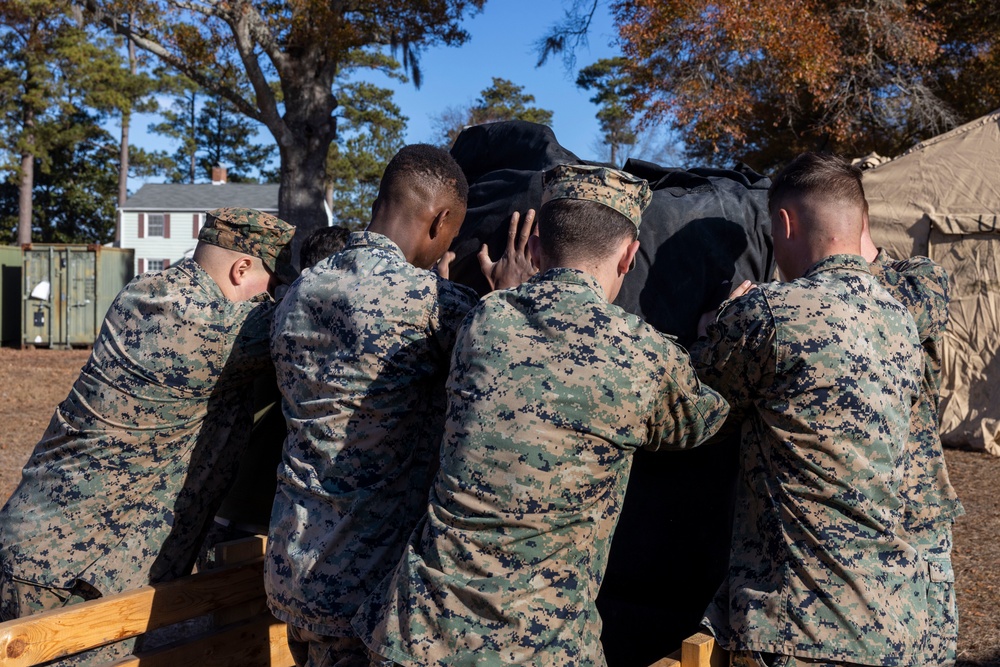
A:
154,224
155,264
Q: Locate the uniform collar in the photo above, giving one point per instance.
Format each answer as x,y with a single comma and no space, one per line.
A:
882,258
572,277
373,240
838,263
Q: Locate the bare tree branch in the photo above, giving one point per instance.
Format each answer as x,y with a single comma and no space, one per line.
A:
568,35
181,65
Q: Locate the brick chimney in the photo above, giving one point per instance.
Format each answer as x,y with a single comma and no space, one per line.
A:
218,175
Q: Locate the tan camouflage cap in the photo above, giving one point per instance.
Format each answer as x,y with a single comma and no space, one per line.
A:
255,233
615,189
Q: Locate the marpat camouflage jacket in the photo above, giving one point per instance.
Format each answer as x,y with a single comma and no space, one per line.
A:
361,345
825,370
931,501
550,392
122,487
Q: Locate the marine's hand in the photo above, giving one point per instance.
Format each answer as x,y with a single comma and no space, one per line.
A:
515,266
742,289
710,316
443,265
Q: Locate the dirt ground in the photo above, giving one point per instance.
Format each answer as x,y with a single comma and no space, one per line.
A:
33,382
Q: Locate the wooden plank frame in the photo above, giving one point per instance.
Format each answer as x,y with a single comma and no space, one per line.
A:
245,634
234,594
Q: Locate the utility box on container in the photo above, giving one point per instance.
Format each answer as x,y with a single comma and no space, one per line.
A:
68,290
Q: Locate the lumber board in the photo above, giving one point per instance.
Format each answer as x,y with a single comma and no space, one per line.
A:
700,650
241,550
258,642
52,634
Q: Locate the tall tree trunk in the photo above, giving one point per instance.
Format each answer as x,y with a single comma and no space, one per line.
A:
25,188
27,183
301,193
304,135
192,167
123,151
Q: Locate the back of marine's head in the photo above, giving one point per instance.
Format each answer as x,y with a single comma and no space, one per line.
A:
426,172
421,202
252,232
823,187
587,211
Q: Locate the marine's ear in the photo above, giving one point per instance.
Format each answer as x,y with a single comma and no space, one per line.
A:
626,261
240,270
535,250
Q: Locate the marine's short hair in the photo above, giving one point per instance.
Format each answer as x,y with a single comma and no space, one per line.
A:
426,165
322,243
573,229
817,174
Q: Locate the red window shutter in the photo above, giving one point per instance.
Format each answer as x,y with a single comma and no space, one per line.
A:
142,262
142,231
194,226
166,263
166,225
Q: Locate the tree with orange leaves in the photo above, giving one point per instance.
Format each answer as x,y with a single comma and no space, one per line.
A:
763,81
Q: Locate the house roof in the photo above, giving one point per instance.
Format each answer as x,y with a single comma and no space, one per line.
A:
203,197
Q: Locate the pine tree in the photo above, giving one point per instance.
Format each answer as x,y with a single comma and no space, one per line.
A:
180,123
612,88
53,68
501,100
225,137
370,131
278,62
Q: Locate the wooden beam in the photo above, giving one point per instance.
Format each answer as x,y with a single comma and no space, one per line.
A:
700,650
53,634
241,551
259,642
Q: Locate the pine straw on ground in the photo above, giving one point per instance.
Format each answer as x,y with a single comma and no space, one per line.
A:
33,382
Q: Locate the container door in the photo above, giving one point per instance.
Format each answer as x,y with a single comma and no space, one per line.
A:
40,290
81,296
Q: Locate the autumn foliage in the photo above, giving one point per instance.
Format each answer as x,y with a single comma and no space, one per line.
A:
764,80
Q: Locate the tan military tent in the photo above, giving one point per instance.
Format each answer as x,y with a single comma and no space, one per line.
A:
942,199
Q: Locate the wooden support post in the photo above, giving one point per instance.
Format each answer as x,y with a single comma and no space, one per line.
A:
241,550
700,650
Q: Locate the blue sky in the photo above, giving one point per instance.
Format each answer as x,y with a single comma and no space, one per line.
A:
501,44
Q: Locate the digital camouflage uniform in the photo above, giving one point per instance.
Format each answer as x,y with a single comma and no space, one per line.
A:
361,345
551,390
824,371
123,485
932,504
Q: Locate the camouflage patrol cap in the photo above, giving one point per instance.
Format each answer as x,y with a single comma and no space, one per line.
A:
255,233
615,189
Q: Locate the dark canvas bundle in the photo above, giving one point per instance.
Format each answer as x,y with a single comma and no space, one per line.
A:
705,231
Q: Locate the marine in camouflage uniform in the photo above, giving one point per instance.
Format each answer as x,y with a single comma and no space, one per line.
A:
123,485
931,503
361,346
551,390
823,371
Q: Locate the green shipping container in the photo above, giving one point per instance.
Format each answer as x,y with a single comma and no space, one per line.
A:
67,291
10,294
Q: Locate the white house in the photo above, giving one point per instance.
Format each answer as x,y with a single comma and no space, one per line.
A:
161,221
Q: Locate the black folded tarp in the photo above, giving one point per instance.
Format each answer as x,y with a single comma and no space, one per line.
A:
704,231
